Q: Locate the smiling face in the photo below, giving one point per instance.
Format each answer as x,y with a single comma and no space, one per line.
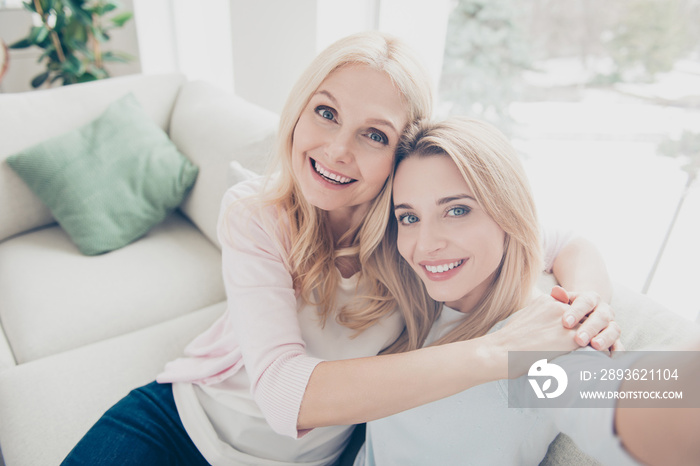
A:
453,245
344,140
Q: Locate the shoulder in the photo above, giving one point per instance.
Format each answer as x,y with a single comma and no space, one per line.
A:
246,212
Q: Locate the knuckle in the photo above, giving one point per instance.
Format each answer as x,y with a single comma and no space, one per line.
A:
616,327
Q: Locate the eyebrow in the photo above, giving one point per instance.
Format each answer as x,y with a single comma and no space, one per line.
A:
441,201
329,95
447,200
371,121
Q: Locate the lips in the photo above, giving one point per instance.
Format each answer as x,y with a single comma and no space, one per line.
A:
442,271
330,176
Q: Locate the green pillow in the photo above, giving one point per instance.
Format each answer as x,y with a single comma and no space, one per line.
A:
109,182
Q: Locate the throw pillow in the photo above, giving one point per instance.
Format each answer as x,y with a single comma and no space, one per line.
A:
109,182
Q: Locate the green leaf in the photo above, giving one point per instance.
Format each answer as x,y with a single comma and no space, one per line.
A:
117,57
40,79
106,8
72,65
99,34
60,21
39,34
22,44
79,13
76,31
120,19
29,6
86,77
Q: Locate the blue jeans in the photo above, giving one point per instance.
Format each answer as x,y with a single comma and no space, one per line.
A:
144,428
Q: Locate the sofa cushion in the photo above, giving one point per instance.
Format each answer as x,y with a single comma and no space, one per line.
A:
56,299
213,128
107,183
46,406
28,118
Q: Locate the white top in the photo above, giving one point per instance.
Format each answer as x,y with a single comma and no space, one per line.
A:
476,427
229,428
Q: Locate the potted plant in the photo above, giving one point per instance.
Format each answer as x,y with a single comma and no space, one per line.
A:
72,32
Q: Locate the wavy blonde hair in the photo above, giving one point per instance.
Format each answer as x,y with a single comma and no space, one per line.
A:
493,172
313,255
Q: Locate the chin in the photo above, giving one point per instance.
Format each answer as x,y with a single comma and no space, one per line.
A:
444,296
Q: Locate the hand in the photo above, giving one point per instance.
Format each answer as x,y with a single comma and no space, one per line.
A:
537,327
596,317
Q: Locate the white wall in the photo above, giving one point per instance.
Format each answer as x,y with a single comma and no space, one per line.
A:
256,49
14,25
273,41
422,24
193,38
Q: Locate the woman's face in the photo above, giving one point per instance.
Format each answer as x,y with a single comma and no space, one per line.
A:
344,141
448,239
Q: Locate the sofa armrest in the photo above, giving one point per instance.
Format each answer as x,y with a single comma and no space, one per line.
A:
213,128
7,360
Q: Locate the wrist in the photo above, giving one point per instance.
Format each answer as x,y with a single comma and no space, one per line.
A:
492,353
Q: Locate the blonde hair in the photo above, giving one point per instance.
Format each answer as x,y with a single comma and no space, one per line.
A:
494,174
312,256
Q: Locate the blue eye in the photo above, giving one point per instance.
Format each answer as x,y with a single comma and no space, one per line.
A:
325,112
407,219
459,211
378,137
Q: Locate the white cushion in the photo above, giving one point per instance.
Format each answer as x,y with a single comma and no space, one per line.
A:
213,128
31,117
46,406
55,299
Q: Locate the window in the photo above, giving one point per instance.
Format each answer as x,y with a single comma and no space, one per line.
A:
602,99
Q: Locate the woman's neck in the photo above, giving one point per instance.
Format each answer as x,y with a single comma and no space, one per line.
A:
342,220
467,303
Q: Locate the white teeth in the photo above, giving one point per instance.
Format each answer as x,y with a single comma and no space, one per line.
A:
443,267
331,176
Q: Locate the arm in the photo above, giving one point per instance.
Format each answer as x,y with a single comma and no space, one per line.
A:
579,266
663,436
360,390
296,392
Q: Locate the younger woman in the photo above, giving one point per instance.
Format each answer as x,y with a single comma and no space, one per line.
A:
284,373
465,225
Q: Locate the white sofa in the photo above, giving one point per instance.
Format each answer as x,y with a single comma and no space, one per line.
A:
79,332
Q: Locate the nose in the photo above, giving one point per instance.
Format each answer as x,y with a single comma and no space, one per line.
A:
339,147
431,238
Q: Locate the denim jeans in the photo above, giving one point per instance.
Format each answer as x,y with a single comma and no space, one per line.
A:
144,428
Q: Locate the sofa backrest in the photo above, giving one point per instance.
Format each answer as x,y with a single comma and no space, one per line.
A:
214,128
28,118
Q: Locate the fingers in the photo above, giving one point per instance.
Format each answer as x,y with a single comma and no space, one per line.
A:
599,329
560,294
618,346
581,305
607,338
